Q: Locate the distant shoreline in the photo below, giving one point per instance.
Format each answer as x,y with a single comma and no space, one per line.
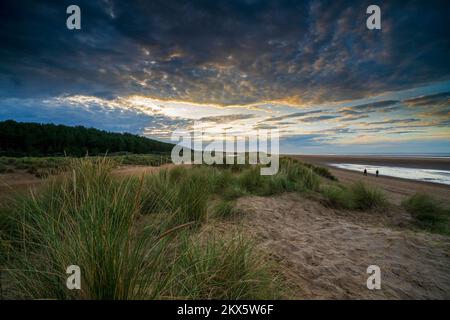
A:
419,162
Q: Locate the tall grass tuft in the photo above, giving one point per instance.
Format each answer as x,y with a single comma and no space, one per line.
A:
428,213
84,218
251,179
191,200
89,218
367,197
225,209
358,196
217,268
180,193
159,193
337,196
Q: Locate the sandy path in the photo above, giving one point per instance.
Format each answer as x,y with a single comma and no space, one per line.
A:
326,252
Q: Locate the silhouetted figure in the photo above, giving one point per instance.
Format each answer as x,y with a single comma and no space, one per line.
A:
377,173
365,172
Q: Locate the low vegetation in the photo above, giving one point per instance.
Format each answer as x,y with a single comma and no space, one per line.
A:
428,213
153,237
90,218
359,196
217,268
43,167
225,209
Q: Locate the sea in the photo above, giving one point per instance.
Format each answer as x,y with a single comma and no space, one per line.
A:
427,175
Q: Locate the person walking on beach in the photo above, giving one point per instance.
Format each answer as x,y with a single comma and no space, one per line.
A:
376,173
365,172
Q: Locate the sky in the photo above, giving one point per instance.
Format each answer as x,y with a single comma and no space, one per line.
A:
310,69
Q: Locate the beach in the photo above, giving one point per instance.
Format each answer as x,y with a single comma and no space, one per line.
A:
437,163
323,252
396,188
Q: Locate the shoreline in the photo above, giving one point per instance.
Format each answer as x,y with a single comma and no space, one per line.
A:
436,163
397,188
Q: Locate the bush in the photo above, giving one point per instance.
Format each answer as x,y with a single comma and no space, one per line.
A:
428,213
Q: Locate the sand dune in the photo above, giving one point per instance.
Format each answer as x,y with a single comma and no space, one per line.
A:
326,252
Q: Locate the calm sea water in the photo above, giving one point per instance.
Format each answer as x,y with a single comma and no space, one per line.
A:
428,175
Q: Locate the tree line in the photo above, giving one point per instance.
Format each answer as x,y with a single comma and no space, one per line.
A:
35,139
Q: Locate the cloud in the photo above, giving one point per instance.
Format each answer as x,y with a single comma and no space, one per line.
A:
435,100
294,115
92,114
221,52
150,67
394,121
378,106
227,118
319,118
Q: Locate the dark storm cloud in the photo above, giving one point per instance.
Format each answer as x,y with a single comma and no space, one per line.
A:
222,51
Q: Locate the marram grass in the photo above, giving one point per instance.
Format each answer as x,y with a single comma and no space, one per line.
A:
89,218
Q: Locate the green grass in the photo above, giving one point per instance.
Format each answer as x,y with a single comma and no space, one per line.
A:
43,167
358,196
367,197
89,218
320,171
180,192
158,193
337,196
217,268
428,213
84,218
225,209
139,239
292,176
191,200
